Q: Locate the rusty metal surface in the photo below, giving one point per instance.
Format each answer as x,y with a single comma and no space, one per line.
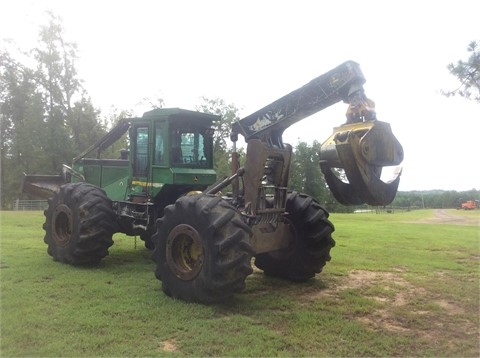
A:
362,150
42,186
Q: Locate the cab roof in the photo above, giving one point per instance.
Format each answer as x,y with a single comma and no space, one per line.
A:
178,112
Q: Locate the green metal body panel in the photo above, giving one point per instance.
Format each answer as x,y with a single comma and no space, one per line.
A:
180,176
109,174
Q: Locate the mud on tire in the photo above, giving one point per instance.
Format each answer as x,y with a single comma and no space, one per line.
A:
79,224
311,242
202,249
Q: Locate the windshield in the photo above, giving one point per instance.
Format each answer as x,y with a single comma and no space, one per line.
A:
191,148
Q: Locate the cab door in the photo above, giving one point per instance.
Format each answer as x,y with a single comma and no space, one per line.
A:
140,160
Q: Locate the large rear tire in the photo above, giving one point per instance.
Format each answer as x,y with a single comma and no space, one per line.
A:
202,249
79,224
311,242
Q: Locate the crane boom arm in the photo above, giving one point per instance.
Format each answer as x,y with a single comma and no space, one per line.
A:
360,147
332,87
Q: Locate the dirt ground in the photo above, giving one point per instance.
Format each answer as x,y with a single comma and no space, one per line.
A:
401,314
450,326
443,216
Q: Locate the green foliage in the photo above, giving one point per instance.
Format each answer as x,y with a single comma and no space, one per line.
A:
222,150
468,74
113,151
305,174
57,83
23,130
229,115
46,115
395,287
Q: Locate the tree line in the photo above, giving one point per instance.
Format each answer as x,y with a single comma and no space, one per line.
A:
47,118
436,199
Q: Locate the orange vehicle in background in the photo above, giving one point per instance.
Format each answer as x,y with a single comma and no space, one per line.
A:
468,205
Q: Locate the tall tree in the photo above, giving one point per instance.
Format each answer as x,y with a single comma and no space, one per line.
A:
468,74
22,126
305,173
46,116
84,125
56,75
229,113
112,119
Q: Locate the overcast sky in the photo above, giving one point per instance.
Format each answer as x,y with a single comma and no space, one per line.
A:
250,53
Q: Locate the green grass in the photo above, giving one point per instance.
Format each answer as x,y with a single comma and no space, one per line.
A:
394,287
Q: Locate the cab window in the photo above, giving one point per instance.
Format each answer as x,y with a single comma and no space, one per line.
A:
190,148
141,152
160,157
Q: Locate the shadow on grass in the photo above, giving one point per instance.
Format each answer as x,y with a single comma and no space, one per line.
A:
274,294
119,259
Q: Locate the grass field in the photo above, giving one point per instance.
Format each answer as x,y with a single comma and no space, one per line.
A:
401,284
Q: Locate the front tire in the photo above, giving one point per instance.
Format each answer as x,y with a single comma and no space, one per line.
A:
79,224
311,242
202,249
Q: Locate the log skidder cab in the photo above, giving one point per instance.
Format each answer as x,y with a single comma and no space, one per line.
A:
203,239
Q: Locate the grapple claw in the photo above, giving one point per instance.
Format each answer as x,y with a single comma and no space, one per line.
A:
361,150
345,193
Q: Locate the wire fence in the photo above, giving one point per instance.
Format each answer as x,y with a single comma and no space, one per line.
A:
24,205
380,209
